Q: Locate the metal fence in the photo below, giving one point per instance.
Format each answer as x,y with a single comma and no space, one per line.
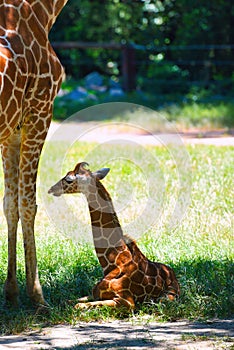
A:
149,67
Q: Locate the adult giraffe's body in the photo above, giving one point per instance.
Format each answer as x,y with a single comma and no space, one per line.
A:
30,76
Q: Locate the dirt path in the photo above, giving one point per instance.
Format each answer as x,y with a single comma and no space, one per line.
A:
183,335
101,132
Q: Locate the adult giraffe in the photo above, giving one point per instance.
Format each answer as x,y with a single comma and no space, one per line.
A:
30,76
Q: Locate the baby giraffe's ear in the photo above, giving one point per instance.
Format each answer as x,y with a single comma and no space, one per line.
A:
100,174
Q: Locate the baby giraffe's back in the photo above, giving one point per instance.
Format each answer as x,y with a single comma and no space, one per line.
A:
155,278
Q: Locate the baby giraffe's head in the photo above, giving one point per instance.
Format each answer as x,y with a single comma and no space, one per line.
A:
78,180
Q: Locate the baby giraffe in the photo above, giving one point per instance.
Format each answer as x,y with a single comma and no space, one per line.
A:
129,277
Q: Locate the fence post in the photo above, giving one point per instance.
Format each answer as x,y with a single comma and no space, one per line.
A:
129,68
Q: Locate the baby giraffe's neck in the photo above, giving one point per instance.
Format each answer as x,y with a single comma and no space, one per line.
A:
107,232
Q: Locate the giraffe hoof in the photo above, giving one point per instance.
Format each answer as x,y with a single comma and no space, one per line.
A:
82,306
41,306
11,303
84,299
42,309
11,294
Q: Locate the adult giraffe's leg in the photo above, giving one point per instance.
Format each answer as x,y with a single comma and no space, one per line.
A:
10,157
33,136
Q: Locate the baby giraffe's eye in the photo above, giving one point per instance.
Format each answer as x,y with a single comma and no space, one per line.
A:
70,178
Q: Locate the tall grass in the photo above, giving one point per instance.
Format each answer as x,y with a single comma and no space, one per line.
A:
200,248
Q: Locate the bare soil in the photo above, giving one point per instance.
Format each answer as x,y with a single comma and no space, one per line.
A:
120,335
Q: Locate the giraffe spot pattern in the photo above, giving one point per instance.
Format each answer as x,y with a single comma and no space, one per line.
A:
129,277
30,76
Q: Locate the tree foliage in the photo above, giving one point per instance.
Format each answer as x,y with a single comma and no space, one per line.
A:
185,33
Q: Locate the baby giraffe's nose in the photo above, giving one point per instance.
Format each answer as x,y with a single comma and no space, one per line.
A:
56,190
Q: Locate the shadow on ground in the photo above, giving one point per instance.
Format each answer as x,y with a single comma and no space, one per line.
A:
124,335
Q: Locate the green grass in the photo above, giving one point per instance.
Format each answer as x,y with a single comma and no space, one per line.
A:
201,115
184,115
200,248
198,108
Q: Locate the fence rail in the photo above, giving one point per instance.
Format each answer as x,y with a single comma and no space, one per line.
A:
133,57
128,58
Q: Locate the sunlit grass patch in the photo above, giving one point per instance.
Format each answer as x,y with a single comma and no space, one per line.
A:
200,248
